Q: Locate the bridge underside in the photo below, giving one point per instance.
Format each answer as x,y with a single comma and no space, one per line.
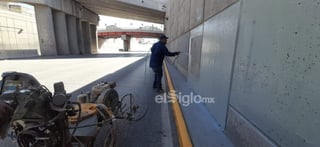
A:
124,10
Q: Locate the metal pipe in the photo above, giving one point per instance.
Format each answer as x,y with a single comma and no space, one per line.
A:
19,32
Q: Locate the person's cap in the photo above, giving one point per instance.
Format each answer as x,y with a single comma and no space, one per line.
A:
162,36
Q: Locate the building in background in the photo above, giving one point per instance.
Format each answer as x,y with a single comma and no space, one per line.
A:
18,31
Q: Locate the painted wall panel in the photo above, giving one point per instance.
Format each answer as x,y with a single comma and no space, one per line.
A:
275,82
195,47
218,48
181,44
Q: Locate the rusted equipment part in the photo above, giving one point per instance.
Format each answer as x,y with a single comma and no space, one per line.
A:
39,117
87,110
106,137
124,108
110,98
98,89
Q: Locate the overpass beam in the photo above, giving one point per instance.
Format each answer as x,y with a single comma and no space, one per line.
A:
73,35
46,31
61,33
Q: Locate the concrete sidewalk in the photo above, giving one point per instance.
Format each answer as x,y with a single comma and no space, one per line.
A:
203,129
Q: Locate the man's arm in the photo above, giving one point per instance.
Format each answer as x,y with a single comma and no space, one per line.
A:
168,53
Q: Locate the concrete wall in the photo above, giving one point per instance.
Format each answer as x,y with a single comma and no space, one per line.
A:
86,37
46,31
67,6
80,36
218,47
259,59
61,32
73,34
206,47
60,28
94,40
195,50
12,43
275,83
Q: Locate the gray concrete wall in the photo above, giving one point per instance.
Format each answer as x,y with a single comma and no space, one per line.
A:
73,35
178,18
14,43
195,49
67,6
80,36
213,7
86,37
61,33
60,29
196,12
218,47
46,31
262,71
275,83
93,37
182,45
207,52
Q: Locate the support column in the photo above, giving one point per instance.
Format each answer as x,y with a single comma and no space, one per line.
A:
80,36
93,31
72,35
45,27
86,37
60,27
126,42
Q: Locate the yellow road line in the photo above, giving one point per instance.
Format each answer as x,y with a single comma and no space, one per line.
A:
183,134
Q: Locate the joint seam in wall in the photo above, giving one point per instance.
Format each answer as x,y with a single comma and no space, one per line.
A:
251,124
234,60
218,12
204,20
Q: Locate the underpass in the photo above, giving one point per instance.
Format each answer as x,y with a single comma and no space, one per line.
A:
131,73
256,61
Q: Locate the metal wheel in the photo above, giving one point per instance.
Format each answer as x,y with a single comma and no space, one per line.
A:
105,137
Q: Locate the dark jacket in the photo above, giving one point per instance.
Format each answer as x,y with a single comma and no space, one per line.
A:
158,52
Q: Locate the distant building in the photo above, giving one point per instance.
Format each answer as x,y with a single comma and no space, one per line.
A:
18,31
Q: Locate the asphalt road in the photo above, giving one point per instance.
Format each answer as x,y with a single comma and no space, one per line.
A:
74,71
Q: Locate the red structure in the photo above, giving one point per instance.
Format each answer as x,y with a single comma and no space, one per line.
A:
132,34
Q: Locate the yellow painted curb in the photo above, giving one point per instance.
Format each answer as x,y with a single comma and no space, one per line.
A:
183,134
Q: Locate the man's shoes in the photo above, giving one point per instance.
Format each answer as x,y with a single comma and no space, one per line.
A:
156,87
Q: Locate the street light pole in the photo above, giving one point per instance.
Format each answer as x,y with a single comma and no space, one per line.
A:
19,32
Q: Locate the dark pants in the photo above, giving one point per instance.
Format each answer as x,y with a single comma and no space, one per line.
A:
157,77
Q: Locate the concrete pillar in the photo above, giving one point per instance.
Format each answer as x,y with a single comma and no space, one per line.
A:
126,42
46,33
86,37
61,33
94,44
80,36
72,35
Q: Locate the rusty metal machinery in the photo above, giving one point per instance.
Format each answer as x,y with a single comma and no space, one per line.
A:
39,118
